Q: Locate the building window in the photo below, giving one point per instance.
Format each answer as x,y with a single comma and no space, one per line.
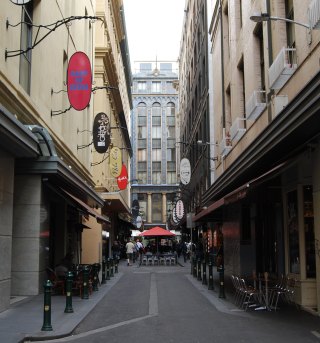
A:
25,43
156,207
142,86
156,87
142,154
142,176
171,178
143,203
156,178
156,154
290,26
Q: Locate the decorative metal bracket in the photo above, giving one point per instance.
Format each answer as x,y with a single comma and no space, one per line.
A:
103,159
56,113
104,87
50,28
79,147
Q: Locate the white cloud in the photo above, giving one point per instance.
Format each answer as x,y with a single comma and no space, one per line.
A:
154,28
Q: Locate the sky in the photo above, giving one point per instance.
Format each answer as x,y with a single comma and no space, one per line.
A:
154,29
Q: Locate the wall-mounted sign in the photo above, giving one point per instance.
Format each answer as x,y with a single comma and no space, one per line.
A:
101,133
185,171
20,2
179,209
79,81
122,179
115,161
138,222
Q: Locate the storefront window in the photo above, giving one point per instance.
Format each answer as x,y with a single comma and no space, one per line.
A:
309,232
293,232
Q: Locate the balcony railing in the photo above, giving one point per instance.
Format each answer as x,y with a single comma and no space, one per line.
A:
255,105
282,68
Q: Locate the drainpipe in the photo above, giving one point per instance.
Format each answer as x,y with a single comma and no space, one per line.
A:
270,59
222,72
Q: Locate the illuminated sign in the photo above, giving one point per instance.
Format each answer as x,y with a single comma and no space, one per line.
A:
79,81
101,133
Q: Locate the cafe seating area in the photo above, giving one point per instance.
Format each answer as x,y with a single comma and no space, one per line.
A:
165,259
260,292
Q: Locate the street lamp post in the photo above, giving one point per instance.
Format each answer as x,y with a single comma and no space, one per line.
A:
260,17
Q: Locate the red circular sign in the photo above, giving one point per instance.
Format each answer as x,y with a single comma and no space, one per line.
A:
122,179
79,81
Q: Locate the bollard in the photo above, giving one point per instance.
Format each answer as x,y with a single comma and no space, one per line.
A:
116,265
204,273
69,282
221,280
210,284
112,267
103,280
47,306
199,270
85,283
108,269
95,270
194,267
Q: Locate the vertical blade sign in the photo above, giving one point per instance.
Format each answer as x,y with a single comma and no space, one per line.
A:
79,81
122,179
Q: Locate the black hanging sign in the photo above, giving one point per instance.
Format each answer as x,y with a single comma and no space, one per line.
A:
101,133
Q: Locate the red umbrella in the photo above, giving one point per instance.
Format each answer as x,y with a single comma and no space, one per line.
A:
157,231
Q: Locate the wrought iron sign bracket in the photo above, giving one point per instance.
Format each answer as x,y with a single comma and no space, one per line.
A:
104,87
97,163
50,28
56,113
79,147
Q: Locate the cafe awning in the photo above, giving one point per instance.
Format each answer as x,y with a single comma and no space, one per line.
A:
208,213
115,202
86,208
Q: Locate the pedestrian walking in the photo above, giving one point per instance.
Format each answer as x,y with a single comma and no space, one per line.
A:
129,252
140,249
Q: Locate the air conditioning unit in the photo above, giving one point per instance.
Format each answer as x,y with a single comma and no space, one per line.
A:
279,103
237,129
282,68
225,146
314,14
255,105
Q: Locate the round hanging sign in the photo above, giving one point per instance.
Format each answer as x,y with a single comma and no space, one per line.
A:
101,133
20,2
138,222
115,161
122,179
185,171
179,209
79,81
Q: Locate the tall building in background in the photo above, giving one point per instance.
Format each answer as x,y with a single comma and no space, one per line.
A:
154,128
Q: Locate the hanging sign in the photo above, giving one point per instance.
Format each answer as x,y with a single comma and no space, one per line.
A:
20,2
185,171
138,222
115,161
122,179
79,81
179,209
174,215
101,133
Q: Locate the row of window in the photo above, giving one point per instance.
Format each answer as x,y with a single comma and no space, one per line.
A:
154,87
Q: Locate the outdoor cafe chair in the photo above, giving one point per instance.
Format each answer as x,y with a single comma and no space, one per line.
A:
155,260
144,260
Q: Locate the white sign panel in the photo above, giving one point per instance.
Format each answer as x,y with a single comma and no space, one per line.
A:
138,222
185,171
179,209
20,2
